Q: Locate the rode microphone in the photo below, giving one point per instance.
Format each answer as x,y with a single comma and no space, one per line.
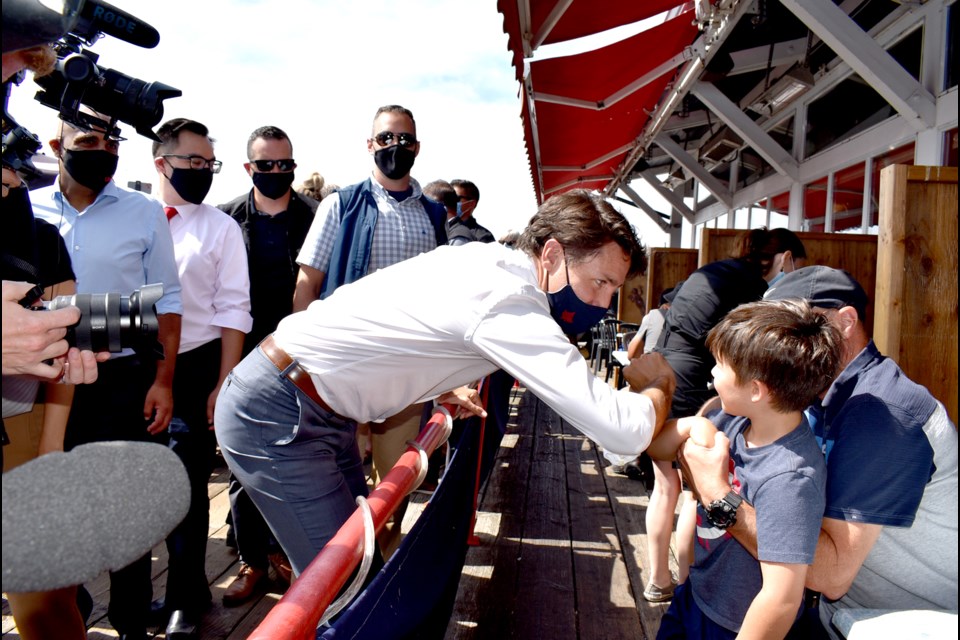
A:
100,17
68,517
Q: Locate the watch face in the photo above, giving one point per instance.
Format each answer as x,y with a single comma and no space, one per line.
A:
721,513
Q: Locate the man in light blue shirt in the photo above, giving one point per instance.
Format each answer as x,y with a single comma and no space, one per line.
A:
118,241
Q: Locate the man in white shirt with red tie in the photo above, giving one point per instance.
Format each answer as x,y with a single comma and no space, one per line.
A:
212,264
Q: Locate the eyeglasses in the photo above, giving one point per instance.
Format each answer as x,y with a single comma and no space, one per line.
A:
386,138
265,166
198,162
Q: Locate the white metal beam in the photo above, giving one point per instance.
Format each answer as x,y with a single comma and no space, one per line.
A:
589,165
726,15
576,181
555,14
621,93
646,208
758,58
868,59
675,201
746,128
688,162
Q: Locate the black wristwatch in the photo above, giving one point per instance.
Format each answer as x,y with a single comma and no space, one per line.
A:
722,513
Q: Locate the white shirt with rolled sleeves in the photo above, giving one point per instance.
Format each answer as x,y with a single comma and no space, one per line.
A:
212,265
427,325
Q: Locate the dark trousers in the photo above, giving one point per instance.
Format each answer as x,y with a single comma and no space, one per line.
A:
194,443
112,409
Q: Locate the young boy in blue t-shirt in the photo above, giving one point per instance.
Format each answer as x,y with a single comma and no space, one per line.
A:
773,359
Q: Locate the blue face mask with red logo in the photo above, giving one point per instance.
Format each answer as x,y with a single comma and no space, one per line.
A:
570,312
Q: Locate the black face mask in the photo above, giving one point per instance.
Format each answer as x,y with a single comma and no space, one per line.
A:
192,185
93,169
395,162
272,185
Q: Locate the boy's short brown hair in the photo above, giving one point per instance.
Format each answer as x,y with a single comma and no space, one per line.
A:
786,344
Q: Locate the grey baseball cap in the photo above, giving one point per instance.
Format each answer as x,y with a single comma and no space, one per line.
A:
823,287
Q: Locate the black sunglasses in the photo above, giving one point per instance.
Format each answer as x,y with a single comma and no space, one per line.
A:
267,165
386,138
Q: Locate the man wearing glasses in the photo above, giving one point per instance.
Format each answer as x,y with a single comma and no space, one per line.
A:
274,220
378,222
212,263
118,241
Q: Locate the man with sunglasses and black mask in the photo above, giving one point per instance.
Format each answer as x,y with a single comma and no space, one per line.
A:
274,220
365,227
378,222
119,241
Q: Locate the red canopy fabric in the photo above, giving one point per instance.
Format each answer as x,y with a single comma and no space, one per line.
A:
573,146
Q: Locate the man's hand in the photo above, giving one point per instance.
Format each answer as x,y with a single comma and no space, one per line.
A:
211,405
649,369
30,337
467,399
159,404
80,367
707,469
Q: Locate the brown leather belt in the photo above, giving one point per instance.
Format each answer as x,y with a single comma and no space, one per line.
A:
296,374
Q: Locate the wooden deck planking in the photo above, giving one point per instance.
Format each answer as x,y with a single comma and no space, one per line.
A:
546,587
595,551
487,600
605,599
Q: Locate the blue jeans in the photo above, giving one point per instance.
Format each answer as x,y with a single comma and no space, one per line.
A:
685,620
299,463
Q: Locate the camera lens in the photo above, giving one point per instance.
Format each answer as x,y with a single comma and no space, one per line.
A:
113,322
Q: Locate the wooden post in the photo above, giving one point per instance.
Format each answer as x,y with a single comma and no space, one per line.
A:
916,301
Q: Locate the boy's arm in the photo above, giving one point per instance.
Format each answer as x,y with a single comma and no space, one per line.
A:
667,443
675,432
773,610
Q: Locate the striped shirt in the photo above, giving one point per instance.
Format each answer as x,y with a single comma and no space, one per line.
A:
403,230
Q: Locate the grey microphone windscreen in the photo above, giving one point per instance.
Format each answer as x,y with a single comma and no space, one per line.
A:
67,517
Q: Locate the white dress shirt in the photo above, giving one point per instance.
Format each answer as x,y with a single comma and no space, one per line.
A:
212,264
419,328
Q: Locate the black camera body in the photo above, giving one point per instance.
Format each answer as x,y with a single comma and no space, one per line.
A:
76,79
113,322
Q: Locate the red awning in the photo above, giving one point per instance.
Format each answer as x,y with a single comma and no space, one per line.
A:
588,109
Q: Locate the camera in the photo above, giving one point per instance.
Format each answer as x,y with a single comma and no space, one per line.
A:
113,322
76,79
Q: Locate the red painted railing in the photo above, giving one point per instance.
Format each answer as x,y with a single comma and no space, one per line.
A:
297,614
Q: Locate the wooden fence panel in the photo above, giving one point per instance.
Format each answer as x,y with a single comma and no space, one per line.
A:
917,276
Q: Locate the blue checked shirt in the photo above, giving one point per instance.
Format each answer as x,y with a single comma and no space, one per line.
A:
403,230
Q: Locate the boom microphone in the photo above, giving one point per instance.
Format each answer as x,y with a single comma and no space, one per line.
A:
100,17
68,517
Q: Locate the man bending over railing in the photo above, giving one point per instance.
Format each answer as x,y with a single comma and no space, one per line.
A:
286,416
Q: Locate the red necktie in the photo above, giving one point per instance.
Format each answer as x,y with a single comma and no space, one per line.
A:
170,213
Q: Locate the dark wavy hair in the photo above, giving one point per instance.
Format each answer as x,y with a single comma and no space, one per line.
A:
786,344
761,245
582,222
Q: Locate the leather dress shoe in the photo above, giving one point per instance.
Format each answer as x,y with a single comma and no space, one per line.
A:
243,586
281,564
182,626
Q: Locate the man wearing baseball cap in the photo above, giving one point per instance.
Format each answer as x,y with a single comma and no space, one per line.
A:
889,533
